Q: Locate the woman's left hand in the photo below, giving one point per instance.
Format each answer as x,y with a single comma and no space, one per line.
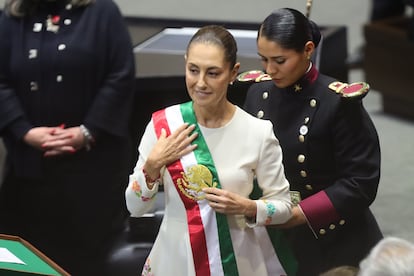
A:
226,202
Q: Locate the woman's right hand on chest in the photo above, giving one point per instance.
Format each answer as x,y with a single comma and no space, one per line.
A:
170,148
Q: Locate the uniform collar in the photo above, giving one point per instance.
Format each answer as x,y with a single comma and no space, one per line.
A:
310,76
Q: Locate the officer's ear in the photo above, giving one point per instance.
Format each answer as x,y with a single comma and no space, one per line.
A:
309,48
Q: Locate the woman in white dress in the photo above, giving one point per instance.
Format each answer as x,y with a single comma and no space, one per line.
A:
210,154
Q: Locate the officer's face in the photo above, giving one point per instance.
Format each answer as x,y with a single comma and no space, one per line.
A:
285,66
208,74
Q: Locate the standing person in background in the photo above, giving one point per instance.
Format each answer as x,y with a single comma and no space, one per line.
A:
331,151
66,88
206,153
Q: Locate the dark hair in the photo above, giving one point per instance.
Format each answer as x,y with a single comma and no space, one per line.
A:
220,36
21,8
290,29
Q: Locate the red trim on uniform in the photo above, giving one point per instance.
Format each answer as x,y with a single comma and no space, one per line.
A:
312,75
319,210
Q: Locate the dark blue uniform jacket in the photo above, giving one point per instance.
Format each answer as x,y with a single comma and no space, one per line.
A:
331,156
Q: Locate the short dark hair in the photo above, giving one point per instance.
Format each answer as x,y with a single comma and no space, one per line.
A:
220,36
290,29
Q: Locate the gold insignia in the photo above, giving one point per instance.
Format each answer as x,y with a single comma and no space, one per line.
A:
337,86
297,88
264,77
253,75
194,180
355,90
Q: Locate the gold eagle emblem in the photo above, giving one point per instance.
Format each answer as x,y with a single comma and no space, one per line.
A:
194,180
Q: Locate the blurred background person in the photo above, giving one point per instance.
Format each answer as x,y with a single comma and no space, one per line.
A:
66,88
392,256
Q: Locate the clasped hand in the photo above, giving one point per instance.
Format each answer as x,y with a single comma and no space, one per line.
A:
55,140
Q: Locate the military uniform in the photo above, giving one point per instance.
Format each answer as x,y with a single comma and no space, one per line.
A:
331,156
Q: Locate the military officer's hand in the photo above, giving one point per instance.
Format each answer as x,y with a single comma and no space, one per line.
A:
298,218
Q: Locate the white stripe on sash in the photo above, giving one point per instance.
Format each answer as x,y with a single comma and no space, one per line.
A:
273,265
208,215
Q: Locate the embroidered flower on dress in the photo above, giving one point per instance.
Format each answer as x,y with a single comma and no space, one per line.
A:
146,271
137,189
270,210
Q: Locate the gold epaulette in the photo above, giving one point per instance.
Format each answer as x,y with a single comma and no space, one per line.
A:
253,76
356,90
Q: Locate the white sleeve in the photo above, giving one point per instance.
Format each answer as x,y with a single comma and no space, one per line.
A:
140,199
274,207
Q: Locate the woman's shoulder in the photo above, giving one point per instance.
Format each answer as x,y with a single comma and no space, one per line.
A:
253,130
251,121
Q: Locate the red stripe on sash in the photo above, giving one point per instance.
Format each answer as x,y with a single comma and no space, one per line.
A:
195,224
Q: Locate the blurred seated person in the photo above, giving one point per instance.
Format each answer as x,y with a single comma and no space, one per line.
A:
392,256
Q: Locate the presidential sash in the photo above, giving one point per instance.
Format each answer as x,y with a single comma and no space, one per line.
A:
209,233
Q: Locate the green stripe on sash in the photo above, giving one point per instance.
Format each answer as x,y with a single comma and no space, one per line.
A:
203,156
279,241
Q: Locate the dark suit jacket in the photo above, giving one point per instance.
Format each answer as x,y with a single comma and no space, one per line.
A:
331,155
82,74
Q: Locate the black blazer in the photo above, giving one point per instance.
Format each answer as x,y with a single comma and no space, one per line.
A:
82,74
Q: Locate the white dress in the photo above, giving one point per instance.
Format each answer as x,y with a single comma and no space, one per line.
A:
243,149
